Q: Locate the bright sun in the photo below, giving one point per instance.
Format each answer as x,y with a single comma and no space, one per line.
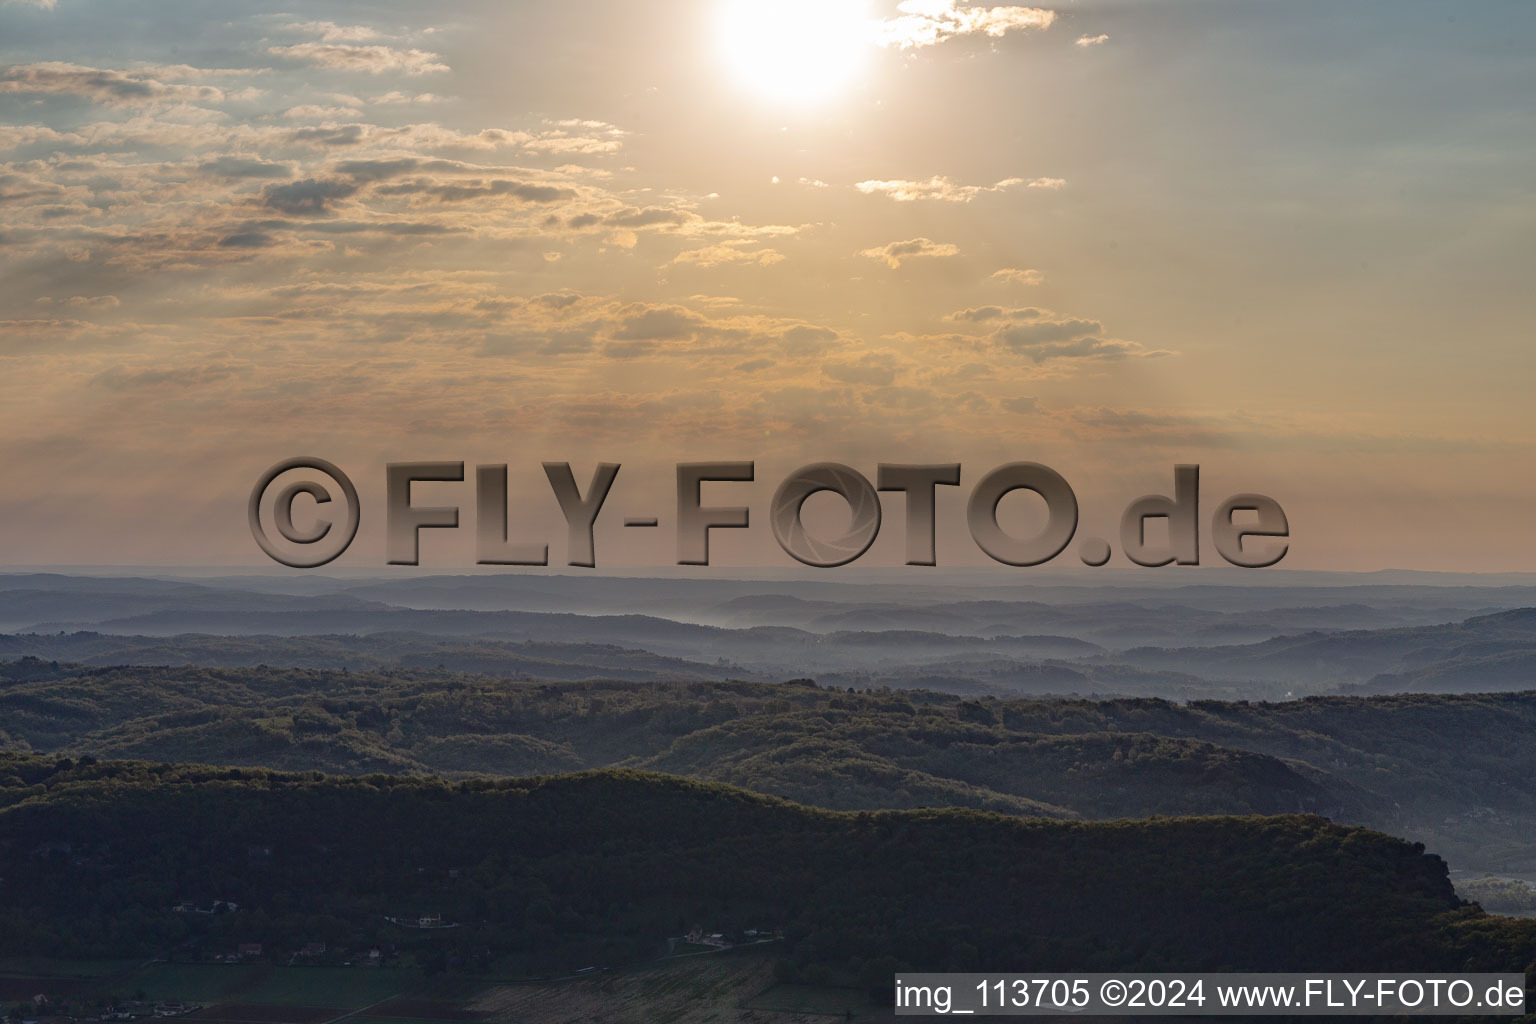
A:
795,50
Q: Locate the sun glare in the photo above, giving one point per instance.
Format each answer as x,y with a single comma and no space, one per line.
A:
795,50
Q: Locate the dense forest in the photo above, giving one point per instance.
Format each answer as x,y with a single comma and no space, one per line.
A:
601,867
1447,770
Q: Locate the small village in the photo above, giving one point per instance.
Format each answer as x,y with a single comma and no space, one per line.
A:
41,1009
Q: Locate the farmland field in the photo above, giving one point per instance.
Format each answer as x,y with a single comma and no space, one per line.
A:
258,1013
698,990
264,984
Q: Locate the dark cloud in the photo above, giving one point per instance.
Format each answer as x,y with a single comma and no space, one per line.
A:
459,192
1083,348
383,227
980,314
661,323
312,197
983,314
376,170
247,240
105,85
1040,335
1026,337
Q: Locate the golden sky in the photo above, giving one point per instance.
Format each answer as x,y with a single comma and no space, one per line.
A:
1292,243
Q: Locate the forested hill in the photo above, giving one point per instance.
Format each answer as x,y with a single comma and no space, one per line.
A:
1448,770
600,868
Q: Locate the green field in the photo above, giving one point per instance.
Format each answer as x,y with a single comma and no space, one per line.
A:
46,967
345,987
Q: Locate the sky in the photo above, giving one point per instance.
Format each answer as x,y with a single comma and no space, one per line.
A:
1292,243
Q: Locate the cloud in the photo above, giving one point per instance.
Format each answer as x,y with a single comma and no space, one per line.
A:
1014,275
83,301
577,136
475,189
1017,314
905,191
895,253
330,135
1023,404
929,22
18,135
395,98
1041,335
119,379
42,331
557,300
1035,335
1157,427
1083,347
367,250
979,314
1048,183
19,188
331,32
872,368
659,323
1086,41
247,240
398,228
315,112
806,339
377,170
729,252
372,59
106,85
245,167
45,5
308,198
649,217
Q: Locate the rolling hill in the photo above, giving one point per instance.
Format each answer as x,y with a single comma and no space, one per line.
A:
600,868
1447,770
